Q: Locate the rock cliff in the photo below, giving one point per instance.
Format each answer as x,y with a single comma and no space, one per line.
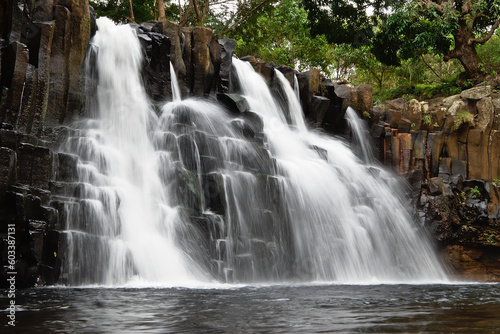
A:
449,150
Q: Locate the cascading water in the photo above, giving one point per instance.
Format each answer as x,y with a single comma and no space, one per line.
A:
346,223
360,133
176,91
198,191
123,225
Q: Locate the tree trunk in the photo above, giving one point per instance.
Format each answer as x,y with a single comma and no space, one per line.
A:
131,10
465,52
161,10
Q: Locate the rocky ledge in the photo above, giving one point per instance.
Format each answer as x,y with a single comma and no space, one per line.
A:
450,150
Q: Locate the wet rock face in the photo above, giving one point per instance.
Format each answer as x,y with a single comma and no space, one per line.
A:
156,73
43,49
29,201
453,145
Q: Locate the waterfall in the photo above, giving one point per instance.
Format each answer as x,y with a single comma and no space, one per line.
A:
122,225
347,224
361,134
293,100
296,89
195,192
176,91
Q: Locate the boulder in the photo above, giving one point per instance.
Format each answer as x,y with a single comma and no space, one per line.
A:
435,186
476,93
414,114
448,102
397,104
485,113
456,106
393,117
362,98
5,18
234,102
474,263
17,15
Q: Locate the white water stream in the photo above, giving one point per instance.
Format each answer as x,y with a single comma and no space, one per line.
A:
191,193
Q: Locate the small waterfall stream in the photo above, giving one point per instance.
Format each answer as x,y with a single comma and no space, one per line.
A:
195,193
361,135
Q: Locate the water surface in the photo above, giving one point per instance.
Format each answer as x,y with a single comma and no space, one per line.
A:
473,308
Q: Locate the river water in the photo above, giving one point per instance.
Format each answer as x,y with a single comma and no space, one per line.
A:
449,308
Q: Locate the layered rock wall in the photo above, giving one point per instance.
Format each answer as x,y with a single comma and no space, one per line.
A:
42,50
452,157
450,150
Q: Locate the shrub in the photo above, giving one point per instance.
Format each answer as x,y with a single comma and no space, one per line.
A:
463,117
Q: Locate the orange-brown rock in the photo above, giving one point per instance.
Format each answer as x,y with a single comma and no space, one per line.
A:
362,98
475,264
477,154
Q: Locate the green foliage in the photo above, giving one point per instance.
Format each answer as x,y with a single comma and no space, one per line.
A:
145,10
444,28
419,91
282,36
427,119
345,21
413,31
496,182
463,117
475,192
490,54
491,238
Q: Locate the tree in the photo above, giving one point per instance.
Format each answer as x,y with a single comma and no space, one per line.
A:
452,29
345,21
131,10
138,11
161,10
281,34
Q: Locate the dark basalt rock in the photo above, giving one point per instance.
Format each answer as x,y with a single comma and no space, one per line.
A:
227,49
59,76
156,70
319,108
233,102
